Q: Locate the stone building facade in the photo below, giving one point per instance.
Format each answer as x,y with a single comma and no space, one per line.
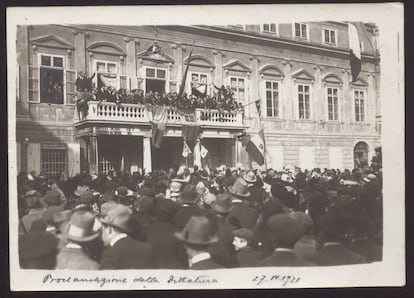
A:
312,115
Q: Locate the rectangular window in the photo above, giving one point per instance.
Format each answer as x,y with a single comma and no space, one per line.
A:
237,86
272,99
199,83
329,36
51,72
53,161
332,94
269,28
359,105
107,74
155,80
304,101
301,30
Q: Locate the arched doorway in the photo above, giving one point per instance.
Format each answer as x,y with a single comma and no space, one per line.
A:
360,154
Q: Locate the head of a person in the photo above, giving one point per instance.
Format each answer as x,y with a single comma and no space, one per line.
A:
241,238
285,230
116,221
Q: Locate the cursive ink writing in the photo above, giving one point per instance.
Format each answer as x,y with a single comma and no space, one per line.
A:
284,279
201,279
101,281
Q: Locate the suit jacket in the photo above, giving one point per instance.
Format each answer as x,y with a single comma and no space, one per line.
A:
74,259
127,254
165,247
184,213
283,258
337,254
248,257
368,249
242,216
206,264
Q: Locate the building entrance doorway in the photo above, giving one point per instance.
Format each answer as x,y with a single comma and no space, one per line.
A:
360,154
169,154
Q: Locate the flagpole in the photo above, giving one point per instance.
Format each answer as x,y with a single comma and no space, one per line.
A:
262,128
182,87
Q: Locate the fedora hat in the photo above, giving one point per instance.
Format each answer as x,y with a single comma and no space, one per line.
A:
285,229
118,217
239,188
189,194
197,231
82,227
250,177
222,204
81,189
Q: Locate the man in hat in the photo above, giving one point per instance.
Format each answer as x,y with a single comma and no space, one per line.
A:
242,215
196,237
334,229
122,251
160,235
80,231
285,231
188,208
35,209
242,242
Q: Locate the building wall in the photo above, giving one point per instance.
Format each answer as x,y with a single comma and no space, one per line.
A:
222,53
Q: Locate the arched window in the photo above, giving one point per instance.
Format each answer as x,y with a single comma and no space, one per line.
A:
360,154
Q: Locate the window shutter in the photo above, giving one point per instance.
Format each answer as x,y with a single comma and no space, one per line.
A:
33,75
70,86
33,157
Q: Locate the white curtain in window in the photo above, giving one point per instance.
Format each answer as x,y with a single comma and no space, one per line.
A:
73,159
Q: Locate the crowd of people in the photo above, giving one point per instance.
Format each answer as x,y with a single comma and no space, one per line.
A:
196,219
223,98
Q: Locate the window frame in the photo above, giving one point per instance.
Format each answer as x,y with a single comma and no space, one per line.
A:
95,68
330,30
276,32
189,86
364,106
300,37
338,97
298,102
244,87
272,81
65,162
63,68
166,80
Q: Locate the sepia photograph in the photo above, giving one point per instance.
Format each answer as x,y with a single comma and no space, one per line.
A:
168,153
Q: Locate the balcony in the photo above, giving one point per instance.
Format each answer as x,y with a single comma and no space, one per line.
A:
107,112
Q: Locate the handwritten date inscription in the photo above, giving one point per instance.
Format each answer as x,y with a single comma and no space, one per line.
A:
276,278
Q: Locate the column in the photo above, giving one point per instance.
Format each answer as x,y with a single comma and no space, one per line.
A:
146,150
371,102
318,96
288,101
33,158
197,154
253,85
346,108
218,62
93,155
238,149
131,62
80,53
179,60
73,159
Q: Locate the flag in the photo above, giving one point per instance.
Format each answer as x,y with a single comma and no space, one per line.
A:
186,150
258,107
355,52
180,93
122,164
107,80
158,124
256,147
203,151
198,89
190,134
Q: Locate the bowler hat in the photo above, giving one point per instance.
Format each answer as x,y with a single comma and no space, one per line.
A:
82,227
197,231
222,204
250,177
189,194
239,188
118,217
52,198
285,229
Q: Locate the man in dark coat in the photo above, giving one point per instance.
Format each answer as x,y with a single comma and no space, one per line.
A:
246,255
189,198
160,235
123,252
196,237
334,229
285,230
